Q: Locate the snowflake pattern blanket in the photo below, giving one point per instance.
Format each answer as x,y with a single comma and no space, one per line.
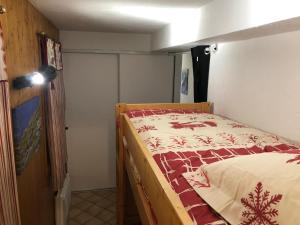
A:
183,140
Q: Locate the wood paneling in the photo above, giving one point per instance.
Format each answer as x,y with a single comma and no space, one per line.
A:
23,22
20,25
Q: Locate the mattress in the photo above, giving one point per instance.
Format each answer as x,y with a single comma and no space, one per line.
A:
182,140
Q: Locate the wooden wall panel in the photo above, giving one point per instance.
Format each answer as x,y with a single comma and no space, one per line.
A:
20,25
20,36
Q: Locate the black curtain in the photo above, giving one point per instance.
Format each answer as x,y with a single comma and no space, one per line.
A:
201,73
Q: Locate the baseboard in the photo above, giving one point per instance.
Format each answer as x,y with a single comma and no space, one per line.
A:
63,202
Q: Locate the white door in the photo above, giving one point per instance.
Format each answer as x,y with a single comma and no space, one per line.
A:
91,82
146,78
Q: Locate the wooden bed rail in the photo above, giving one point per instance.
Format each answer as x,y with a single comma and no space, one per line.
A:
204,106
165,203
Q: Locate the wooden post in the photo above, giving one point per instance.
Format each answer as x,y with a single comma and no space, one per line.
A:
121,174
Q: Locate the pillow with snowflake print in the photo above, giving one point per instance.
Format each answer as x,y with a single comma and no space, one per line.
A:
252,190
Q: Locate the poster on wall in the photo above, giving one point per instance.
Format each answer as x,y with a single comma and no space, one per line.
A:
185,82
58,56
51,60
26,131
3,75
51,52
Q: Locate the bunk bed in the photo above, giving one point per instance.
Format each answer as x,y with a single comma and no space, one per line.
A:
161,194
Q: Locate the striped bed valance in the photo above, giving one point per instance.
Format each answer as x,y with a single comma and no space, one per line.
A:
9,205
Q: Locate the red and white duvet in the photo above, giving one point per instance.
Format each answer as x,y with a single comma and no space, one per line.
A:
183,140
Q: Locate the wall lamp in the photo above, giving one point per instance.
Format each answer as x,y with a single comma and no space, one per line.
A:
44,75
211,49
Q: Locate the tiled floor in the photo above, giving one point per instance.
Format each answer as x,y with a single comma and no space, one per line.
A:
96,207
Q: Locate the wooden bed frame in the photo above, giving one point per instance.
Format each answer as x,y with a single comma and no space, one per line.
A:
136,163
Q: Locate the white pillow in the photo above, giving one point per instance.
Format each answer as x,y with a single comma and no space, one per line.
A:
252,190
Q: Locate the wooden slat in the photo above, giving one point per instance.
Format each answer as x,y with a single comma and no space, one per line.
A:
139,196
204,106
121,186
131,214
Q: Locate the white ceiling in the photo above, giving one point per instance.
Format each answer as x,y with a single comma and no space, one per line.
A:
138,16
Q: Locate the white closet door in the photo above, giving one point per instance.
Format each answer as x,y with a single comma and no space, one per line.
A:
91,82
146,78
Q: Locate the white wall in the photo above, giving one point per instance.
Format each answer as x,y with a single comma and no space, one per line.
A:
77,40
225,17
187,63
258,82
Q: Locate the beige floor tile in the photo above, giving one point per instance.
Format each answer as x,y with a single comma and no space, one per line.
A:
85,205
96,207
75,200
102,193
95,199
106,215
83,218
112,208
111,195
94,210
95,221
104,203
85,194
113,221
71,222
74,212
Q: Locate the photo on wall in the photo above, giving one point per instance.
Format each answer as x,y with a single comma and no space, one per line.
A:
58,56
26,131
185,82
51,52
